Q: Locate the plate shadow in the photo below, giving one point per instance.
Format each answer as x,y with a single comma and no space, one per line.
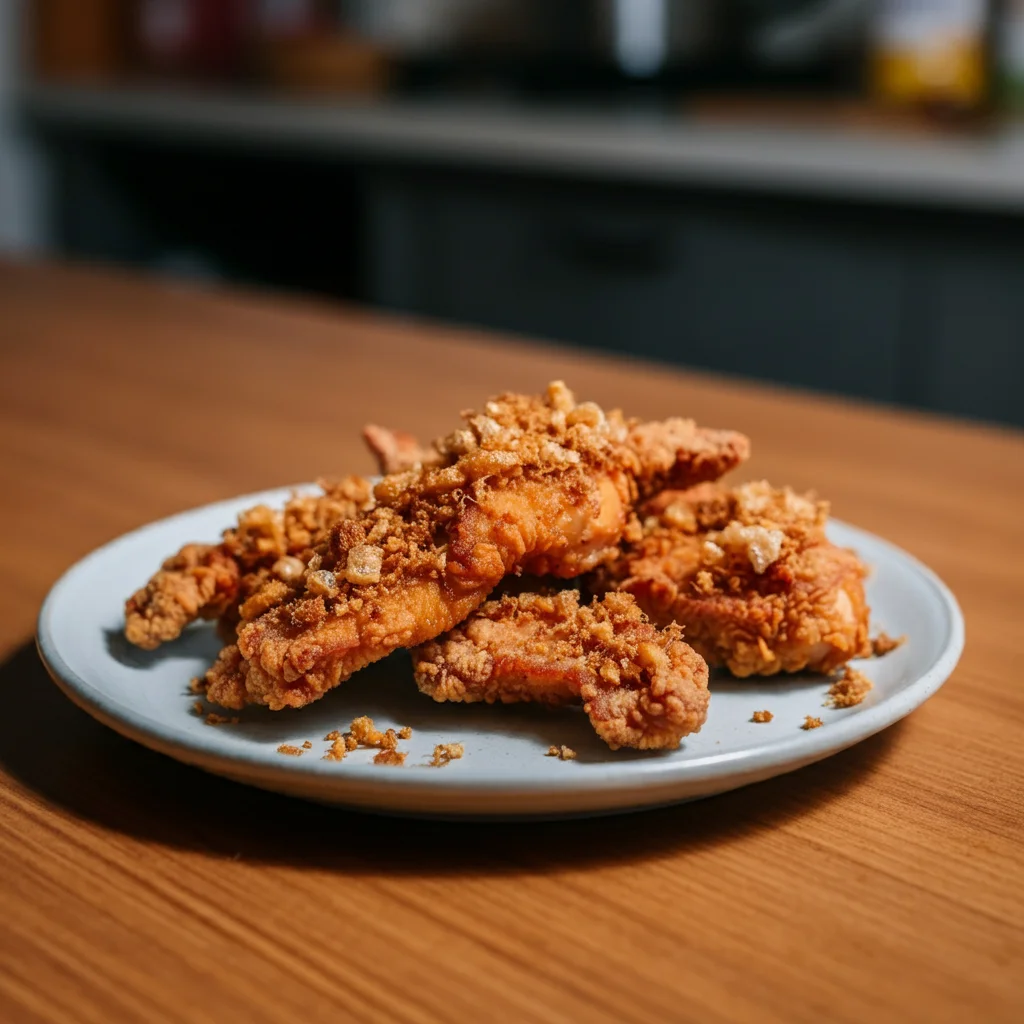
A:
51,748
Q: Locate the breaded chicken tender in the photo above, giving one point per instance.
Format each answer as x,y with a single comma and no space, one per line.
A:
750,576
540,485
640,686
208,581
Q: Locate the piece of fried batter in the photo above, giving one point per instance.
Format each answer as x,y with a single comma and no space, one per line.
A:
641,686
540,485
750,576
208,581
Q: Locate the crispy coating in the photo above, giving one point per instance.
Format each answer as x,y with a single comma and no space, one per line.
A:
208,581
641,686
540,485
750,576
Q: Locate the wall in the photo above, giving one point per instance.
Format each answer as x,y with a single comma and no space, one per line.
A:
23,188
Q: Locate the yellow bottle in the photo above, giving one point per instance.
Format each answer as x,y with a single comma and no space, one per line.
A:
932,54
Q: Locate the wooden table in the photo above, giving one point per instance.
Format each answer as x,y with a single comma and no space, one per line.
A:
883,884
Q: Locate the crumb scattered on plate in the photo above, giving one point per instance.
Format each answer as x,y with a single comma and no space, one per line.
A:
810,722
287,748
306,745
198,707
445,753
214,719
563,753
337,750
365,734
883,644
848,691
197,686
762,716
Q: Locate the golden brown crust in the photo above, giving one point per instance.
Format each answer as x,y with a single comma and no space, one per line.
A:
641,686
750,576
199,582
207,581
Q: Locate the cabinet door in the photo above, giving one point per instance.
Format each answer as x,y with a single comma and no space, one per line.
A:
813,302
973,344
746,291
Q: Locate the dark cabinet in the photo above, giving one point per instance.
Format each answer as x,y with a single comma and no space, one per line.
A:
747,290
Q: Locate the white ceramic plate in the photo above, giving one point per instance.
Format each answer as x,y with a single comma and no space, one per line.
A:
145,696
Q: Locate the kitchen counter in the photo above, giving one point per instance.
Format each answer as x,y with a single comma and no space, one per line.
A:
884,884
646,148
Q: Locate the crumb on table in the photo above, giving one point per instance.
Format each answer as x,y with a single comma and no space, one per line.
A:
563,753
883,644
810,722
390,756
291,751
762,716
405,733
306,745
445,753
848,691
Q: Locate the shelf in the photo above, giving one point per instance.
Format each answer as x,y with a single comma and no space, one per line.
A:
643,148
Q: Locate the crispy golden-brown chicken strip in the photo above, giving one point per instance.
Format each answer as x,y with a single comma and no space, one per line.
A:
641,686
750,576
207,581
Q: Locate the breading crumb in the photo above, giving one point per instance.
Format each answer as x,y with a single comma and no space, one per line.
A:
363,733
337,751
848,691
445,753
810,722
883,644
563,753
214,719
198,707
762,716
306,745
287,748
197,685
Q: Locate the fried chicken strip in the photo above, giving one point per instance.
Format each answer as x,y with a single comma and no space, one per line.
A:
207,581
640,686
537,485
750,576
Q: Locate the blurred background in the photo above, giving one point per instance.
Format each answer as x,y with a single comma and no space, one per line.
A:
826,193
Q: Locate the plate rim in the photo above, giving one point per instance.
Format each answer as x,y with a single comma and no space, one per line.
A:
602,778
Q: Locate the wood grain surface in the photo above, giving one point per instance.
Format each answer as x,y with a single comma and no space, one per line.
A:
884,884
